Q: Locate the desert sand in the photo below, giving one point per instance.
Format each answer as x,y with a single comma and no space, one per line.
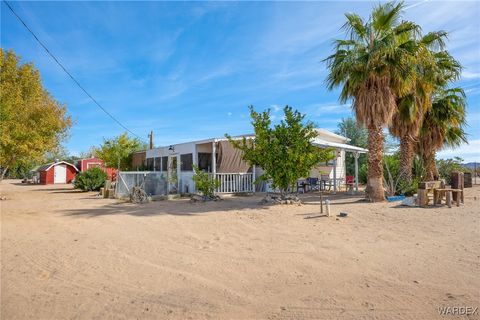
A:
71,255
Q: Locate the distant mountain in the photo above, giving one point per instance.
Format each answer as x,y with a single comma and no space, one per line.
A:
471,165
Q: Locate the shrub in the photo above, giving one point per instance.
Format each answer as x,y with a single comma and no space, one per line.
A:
447,166
91,180
204,183
407,188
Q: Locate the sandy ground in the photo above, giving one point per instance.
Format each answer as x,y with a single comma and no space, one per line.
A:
70,255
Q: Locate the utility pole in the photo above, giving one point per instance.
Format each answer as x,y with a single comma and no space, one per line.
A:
150,136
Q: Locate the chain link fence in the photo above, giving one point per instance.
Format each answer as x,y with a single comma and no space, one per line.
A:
154,183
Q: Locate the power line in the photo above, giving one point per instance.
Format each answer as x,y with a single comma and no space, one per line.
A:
69,74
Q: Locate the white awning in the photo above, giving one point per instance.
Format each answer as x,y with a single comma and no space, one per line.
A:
323,143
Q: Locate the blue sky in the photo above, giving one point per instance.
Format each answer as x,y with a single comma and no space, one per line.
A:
189,70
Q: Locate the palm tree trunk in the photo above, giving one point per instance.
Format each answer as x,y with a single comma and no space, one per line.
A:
406,158
375,191
430,166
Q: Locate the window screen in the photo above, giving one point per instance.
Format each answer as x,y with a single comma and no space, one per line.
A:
186,161
150,164
157,163
164,163
205,161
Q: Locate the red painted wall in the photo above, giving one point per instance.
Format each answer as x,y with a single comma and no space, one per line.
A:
83,166
71,173
47,177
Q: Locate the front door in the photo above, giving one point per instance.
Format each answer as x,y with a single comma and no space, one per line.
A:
60,174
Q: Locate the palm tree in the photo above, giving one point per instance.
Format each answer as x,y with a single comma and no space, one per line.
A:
443,126
374,66
434,69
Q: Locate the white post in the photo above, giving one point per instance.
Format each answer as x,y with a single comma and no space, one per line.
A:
356,155
168,175
195,162
179,175
154,163
214,160
335,174
253,178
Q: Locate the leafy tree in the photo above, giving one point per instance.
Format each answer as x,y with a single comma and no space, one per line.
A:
447,166
358,136
59,152
21,169
90,180
374,65
33,122
117,152
284,151
204,183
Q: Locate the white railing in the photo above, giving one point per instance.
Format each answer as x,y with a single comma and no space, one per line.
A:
234,182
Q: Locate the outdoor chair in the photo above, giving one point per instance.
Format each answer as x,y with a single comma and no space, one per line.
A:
349,183
313,183
302,185
325,181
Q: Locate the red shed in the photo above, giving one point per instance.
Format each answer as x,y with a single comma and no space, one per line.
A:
57,172
88,163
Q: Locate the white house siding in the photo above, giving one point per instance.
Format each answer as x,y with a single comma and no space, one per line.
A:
185,177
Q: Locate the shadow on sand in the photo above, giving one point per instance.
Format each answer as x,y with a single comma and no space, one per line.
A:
183,207
179,207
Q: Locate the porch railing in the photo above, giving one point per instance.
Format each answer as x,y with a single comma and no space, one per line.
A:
234,182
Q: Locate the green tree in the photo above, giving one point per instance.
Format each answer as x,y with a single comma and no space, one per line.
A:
32,121
284,151
358,136
374,65
117,152
447,166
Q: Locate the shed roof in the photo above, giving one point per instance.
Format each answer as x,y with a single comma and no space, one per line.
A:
49,165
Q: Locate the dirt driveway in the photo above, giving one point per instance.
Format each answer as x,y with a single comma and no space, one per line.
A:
70,255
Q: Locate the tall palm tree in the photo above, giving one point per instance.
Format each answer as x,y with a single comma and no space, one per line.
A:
443,126
374,66
434,69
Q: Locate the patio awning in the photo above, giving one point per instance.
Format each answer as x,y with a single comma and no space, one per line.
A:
323,143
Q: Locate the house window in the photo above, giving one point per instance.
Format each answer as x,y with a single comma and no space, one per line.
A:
157,163
93,165
150,164
164,164
186,161
205,161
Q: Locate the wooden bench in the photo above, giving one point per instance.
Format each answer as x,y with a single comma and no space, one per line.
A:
438,195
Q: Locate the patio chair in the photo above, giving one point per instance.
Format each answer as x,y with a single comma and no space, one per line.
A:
313,183
302,184
325,181
349,183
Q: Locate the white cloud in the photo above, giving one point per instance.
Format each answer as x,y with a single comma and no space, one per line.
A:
324,109
468,152
275,107
468,75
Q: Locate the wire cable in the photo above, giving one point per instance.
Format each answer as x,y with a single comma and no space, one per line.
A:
69,74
